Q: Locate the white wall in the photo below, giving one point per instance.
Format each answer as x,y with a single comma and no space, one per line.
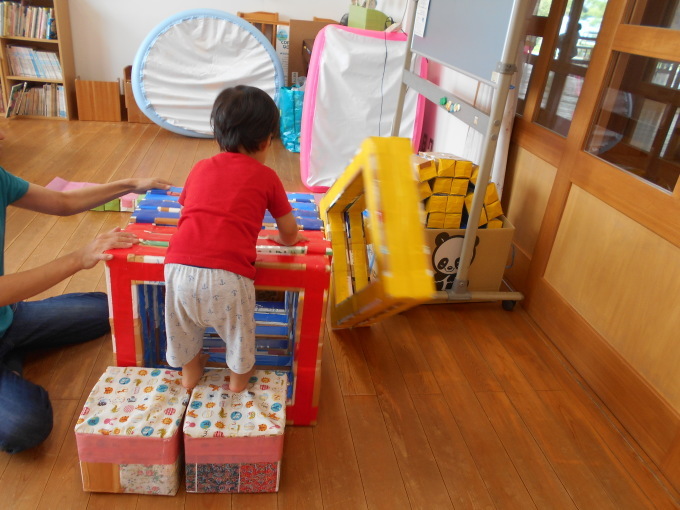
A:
107,34
452,135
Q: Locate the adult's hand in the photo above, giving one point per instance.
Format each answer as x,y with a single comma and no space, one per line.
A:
92,253
143,185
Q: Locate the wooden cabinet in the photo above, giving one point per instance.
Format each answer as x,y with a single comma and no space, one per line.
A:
30,35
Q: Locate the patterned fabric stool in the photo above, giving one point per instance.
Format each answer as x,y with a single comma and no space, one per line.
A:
233,442
128,433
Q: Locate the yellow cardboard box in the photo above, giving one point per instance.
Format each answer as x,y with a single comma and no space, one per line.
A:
454,205
436,203
425,190
450,165
459,186
453,220
495,223
463,169
442,185
475,174
492,207
425,168
435,220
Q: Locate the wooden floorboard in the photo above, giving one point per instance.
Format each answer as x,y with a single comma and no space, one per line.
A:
422,477
336,460
464,483
462,406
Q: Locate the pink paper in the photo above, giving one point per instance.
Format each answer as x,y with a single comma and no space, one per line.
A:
59,184
233,450
128,449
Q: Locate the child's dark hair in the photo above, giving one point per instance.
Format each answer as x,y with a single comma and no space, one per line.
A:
244,116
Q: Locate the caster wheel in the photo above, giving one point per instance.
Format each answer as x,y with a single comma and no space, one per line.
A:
508,305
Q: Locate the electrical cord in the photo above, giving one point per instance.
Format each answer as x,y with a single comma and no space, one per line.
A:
382,85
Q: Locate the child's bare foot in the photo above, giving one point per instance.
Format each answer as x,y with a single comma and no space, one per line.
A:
238,382
193,371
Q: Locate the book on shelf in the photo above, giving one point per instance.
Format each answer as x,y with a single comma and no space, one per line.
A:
53,64
45,100
61,101
20,20
16,95
31,63
20,63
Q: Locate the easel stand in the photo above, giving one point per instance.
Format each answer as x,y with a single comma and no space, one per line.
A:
490,126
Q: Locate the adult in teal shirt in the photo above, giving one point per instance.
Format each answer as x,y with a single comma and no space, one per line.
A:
25,409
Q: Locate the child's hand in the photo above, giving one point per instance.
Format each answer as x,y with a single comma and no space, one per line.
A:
299,238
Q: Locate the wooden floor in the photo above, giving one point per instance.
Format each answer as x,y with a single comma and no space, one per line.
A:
444,406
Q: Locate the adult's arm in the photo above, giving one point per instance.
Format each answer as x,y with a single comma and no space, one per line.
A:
65,203
25,284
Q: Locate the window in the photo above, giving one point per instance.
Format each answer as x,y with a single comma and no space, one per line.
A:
531,50
636,126
532,47
656,13
571,56
633,122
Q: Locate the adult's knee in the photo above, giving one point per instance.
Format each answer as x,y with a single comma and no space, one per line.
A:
92,308
25,414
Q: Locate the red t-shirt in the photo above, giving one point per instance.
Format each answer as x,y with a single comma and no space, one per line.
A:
224,201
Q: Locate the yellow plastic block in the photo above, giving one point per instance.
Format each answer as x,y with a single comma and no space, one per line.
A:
454,205
435,220
459,187
436,203
425,168
442,185
495,223
424,189
452,220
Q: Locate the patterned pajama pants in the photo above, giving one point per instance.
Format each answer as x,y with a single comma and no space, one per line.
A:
197,298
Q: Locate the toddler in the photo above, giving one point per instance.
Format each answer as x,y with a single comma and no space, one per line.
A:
210,262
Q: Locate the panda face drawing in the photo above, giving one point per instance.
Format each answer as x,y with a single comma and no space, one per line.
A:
446,259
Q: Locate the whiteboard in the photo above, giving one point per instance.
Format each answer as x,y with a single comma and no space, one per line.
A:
466,35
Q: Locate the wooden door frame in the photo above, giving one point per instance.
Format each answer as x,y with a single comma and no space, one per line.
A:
646,204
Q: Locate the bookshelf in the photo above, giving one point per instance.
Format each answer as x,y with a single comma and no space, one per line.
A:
27,40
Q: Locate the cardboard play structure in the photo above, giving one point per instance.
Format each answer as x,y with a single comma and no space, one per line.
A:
294,280
129,433
385,258
139,430
374,220
233,442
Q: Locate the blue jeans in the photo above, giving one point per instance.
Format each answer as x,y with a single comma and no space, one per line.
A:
25,409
